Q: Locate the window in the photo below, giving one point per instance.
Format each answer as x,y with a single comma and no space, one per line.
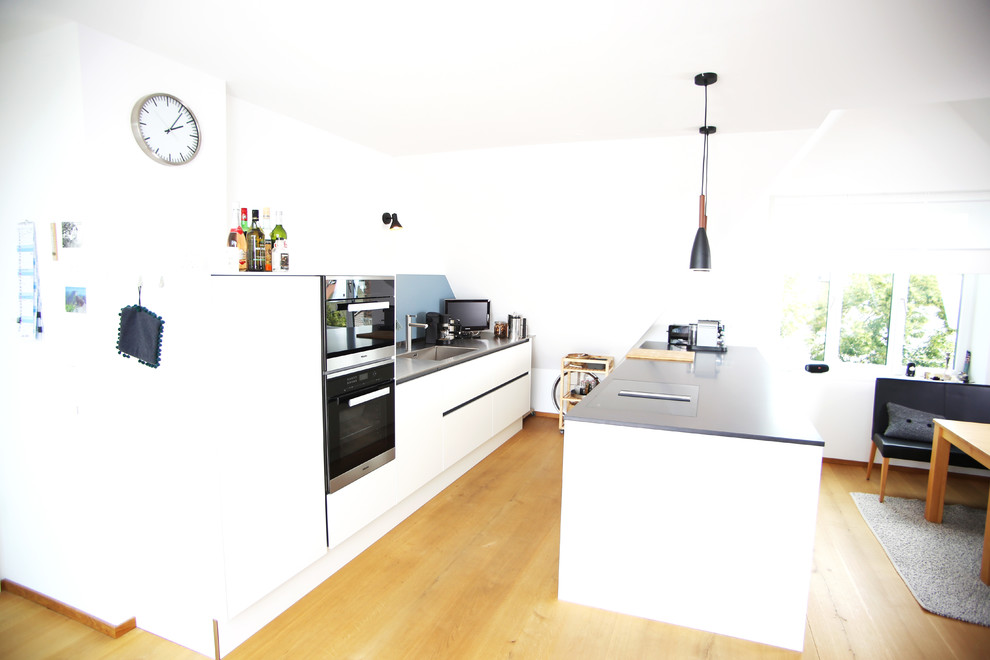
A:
805,313
865,328
873,318
931,321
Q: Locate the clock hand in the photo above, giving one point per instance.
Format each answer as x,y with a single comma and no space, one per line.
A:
173,126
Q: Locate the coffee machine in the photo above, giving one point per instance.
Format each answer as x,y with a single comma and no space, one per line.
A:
700,336
441,328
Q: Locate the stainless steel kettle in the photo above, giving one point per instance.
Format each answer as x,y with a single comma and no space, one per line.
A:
517,327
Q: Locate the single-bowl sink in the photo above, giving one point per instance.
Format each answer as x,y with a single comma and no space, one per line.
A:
437,353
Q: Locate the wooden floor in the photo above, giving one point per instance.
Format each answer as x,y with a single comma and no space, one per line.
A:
473,574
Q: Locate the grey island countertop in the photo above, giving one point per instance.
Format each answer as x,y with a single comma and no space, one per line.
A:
731,393
485,344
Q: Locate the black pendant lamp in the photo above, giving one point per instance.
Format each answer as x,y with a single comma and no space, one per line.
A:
701,254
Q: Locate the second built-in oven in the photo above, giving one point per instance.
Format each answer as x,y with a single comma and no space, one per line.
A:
359,321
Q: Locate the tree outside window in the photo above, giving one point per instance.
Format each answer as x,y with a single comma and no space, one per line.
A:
929,338
870,318
865,318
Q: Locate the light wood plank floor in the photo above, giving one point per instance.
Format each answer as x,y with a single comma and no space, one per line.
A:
473,574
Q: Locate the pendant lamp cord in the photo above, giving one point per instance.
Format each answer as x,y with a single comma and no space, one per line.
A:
704,155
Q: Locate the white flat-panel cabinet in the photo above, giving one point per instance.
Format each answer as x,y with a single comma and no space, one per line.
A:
418,433
510,402
500,397
465,429
357,504
440,418
710,532
270,437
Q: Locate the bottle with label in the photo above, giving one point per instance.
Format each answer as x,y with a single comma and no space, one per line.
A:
280,250
255,245
266,225
245,227
237,245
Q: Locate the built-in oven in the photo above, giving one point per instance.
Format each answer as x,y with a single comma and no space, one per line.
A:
359,321
360,423
359,390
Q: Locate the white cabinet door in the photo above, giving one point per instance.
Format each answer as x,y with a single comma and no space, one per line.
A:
429,441
357,504
270,434
464,381
504,365
510,402
465,429
418,433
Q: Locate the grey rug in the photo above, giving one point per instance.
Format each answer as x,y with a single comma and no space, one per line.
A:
940,563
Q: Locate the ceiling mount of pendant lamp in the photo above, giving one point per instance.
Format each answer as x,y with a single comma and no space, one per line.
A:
701,254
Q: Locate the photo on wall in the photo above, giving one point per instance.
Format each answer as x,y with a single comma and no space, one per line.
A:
75,299
72,235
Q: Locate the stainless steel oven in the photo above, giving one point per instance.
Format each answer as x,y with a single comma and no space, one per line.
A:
360,424
359,321
359,415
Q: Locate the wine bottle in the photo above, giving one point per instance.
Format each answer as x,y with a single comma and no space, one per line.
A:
236,245
242,250
266,225
255,245
280,250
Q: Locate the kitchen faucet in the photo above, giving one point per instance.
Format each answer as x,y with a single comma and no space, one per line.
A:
409,326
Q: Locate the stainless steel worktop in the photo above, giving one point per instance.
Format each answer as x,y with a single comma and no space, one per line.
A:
407,369
735,393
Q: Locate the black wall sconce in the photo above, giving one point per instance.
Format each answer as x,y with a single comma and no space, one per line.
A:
391,221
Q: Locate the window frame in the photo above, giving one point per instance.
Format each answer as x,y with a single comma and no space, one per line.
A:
838,280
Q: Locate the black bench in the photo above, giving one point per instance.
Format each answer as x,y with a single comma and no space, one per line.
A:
968,403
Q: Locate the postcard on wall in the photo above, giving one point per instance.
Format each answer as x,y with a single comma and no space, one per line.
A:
75,299
72,235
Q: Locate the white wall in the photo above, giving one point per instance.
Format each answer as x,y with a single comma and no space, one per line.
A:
106,479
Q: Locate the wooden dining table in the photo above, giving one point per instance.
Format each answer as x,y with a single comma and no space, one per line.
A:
974,439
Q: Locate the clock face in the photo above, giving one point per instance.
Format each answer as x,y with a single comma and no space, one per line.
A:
165,129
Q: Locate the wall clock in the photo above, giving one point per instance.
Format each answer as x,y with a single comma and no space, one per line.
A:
165,129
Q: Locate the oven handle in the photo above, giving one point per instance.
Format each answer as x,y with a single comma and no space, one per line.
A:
370,396
363,307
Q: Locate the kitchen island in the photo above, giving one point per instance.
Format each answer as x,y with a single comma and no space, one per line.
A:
690,492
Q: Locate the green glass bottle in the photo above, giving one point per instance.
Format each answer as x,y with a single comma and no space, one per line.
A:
255,245
280,248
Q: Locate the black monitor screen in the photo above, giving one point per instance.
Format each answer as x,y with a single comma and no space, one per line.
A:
473,314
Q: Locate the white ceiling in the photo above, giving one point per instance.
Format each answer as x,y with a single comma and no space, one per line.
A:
407,77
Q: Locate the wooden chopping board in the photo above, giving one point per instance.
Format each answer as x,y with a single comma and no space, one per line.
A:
657,354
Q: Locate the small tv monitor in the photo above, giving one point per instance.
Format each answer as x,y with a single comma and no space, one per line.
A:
474,314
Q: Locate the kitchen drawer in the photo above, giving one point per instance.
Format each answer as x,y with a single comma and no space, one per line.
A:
508,363
510,402
465,429
358,504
